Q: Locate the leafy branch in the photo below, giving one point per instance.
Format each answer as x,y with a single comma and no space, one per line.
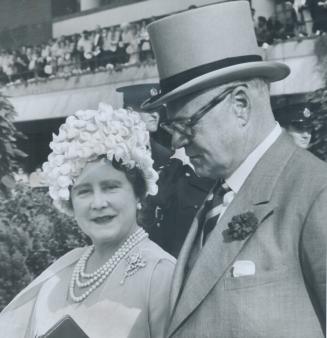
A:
9,153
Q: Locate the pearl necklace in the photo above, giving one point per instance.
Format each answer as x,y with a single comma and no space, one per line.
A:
95,279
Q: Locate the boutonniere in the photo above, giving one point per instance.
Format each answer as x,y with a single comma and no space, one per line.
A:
134,262
241,226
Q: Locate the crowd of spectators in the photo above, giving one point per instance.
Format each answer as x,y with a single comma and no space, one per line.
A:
289,21
129,44
103,48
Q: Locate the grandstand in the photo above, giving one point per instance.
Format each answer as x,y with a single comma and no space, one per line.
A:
57,57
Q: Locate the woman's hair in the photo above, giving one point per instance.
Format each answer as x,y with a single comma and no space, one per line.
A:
134,176
119,136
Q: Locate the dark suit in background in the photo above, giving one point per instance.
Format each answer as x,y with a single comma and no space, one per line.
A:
181,193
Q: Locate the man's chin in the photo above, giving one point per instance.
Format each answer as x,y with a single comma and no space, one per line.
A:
200,171
302,144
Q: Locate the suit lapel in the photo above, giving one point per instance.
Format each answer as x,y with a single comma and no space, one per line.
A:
184,255
217,256
182,261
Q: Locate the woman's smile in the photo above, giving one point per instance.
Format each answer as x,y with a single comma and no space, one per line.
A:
102,220
104,203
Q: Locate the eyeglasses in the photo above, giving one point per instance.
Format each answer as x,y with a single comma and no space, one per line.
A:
185,127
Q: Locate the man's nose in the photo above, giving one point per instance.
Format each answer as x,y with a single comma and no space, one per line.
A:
179,140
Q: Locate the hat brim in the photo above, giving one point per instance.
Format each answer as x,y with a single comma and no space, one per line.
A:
268,70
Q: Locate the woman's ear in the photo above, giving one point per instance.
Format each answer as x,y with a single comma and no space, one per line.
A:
242,105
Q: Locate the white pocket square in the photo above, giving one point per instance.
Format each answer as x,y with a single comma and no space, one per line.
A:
243,268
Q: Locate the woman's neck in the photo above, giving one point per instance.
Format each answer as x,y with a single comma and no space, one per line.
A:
103,251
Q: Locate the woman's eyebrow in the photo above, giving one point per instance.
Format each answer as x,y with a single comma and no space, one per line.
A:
111,181
102,183
79,186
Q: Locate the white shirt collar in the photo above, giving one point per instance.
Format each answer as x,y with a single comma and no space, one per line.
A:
181,155
236,180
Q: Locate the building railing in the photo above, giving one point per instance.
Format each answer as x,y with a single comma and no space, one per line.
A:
113,48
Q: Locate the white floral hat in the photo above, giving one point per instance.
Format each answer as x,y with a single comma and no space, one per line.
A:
88,134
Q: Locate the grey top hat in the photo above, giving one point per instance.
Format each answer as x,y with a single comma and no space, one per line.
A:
207,47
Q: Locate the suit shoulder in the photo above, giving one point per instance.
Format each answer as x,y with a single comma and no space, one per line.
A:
309,165
155,253
307,156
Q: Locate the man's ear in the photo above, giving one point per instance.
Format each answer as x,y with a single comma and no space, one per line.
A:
242,104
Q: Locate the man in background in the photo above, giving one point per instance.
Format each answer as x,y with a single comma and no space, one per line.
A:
133,96
299,125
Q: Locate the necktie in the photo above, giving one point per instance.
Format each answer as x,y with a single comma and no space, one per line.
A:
212,209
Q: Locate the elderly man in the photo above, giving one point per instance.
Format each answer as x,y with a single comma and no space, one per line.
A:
253,263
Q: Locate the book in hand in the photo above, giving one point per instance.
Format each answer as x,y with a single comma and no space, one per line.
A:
65,328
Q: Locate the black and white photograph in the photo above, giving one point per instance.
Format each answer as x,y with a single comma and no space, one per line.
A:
163,168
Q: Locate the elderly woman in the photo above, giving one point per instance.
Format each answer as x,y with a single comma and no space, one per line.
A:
99,171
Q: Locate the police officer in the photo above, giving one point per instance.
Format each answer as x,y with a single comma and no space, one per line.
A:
133,96
299,125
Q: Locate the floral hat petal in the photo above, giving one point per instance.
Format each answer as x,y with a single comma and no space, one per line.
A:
89,134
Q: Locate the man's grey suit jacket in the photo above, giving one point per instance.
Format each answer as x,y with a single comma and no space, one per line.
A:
285,298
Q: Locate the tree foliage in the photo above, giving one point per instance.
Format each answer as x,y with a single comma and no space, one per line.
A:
9,153
14,273
320,50
318,102
33,233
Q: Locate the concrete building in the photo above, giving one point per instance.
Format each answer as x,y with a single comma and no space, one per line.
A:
43,105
